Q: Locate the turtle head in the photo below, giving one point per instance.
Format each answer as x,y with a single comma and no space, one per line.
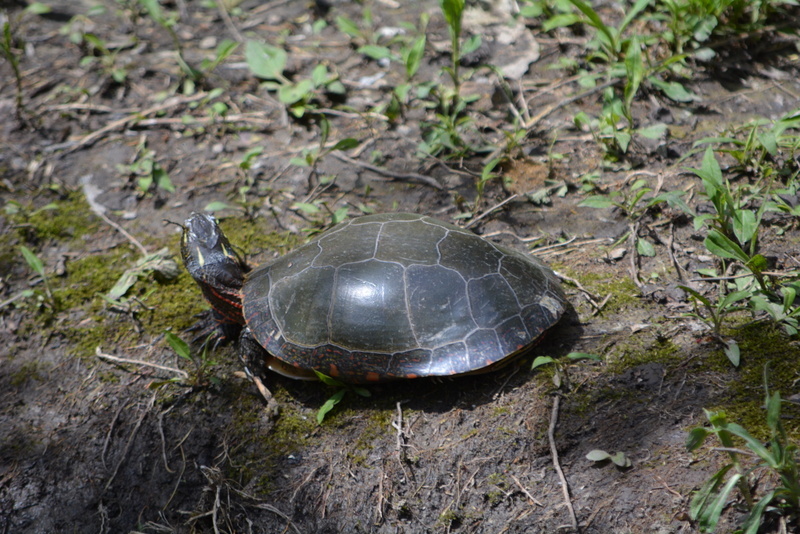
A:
214,265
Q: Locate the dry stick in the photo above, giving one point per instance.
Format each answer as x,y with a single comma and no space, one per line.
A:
129,443
226,18
550,109
564,487
405,176
491,210
671,252
634,230
121,230
525,490
115,359
89,139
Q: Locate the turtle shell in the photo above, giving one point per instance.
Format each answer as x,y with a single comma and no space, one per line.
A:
399,295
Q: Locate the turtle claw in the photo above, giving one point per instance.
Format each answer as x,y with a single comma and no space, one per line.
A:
212,329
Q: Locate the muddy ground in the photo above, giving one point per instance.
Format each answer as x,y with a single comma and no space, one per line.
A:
89,444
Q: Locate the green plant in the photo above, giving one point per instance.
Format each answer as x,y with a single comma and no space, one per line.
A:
342,389
8,45
311,157
779,458
693,24
559,373
202,362
8,48
447,133
268,62
768,149
37,266
149,173
167,20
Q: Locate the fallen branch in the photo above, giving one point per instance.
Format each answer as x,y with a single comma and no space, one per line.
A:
554,452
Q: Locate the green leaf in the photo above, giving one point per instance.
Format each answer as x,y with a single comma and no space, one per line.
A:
347,26
597,201
217,205
32,260
598,455
753,521
596,22
710,517
645,248
293,93
731,349
376,52
265,61
38,8
620,460
471,44
745,225
774,411
453,11
346,144
696,438
655,131
413,56
560,21
673,90
325,379
364,392
634,69
757,263
180,347
335,399
721,246
541,360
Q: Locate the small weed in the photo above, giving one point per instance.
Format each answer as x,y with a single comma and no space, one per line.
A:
779,458
268,63
341,390
446,135
37,266
149,174
167,20
559,367
202,362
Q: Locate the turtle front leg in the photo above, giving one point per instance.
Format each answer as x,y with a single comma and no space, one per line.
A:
255,358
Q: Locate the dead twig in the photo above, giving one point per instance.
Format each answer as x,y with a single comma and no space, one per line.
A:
524,490
562,103
491,210
133,118
401,176
116,359
557,465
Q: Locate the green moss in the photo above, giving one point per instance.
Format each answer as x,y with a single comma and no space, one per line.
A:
262,448
641,350
761,345
251,239
90,276
67,218
624,293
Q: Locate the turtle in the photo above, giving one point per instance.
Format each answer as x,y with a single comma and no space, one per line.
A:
376,298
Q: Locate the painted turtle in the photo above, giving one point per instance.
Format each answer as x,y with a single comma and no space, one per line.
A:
379,297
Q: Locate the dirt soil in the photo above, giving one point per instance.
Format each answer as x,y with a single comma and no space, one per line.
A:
158,443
